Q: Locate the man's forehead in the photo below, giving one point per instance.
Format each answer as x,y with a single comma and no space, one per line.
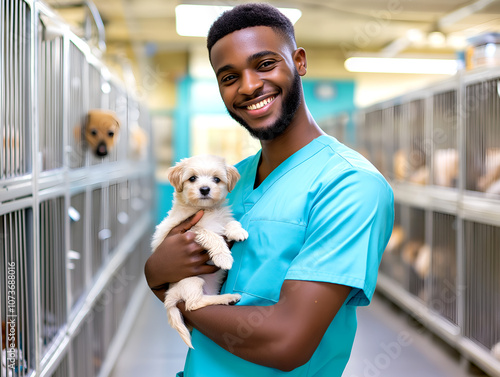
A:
246,42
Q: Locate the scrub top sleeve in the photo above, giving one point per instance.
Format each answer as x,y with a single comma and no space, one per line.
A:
350,222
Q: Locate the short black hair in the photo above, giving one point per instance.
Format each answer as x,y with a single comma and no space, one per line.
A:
249,15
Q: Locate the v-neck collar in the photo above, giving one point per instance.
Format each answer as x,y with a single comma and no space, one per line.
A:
252,195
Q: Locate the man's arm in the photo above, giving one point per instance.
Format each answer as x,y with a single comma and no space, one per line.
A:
282,336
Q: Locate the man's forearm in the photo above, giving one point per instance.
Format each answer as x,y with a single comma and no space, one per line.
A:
283,335
246,331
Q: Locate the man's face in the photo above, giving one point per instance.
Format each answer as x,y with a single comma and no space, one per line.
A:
258,80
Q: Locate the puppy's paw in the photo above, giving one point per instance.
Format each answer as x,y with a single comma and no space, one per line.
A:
224,261
234,232
232,298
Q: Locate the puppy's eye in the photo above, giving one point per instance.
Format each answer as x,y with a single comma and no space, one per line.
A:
216,179
93,132
192,179
111,133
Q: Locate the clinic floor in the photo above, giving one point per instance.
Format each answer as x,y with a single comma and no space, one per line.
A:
388,344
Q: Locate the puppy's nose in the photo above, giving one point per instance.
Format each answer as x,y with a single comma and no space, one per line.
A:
101,149
204,190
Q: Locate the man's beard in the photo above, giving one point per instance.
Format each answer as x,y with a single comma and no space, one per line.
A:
290,105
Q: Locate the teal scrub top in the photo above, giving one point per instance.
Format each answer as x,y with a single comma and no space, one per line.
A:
325,214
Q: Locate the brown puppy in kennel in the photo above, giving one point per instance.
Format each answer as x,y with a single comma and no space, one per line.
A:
100,131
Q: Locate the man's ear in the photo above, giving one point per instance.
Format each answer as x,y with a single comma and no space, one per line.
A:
174,175
300,60
232,177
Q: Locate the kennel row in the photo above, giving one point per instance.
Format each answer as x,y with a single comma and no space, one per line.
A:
439,147
53,259
48,69
75,225
451,269
446,135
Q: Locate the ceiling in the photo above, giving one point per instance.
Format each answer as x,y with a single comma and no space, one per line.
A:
387,26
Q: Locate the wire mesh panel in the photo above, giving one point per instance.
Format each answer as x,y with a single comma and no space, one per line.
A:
99,330
77,108
391,264
97,223
16,309
373,137
400,150
15,102
118,104
483,137
418,172
50,109
81,353
99,228
416,253
482,290
445,158
52,270
76,256
63,368
118,217
444,266
95,84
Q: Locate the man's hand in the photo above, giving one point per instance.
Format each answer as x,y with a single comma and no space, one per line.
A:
177,257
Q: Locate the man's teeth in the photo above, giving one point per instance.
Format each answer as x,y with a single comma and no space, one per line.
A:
260,104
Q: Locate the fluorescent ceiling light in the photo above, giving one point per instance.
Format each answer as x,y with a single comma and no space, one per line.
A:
401,65
195,20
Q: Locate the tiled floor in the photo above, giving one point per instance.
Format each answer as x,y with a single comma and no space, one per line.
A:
386,345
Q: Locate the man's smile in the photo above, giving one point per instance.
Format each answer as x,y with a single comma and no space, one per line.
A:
261,104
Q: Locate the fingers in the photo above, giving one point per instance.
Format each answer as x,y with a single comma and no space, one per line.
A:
187,224
206,269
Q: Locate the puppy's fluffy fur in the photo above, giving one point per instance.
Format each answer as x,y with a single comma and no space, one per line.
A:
101,131
201,183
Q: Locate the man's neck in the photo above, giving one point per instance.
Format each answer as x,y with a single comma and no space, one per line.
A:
301,132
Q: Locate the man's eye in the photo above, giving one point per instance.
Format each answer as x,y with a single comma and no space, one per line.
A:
192,179
266,64
216,179
228,78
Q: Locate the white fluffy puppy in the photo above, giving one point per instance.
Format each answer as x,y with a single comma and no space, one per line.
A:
201,183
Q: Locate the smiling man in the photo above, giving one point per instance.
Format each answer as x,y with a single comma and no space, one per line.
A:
318,216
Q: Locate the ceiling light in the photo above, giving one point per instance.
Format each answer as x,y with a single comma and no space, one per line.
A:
195,20
401,65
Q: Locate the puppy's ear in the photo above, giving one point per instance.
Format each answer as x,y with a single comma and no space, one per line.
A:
174,175
232,177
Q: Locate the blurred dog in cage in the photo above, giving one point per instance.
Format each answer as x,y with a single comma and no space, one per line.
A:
201,183
100,131
489,182
11,153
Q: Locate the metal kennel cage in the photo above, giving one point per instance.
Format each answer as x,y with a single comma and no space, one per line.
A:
482,100
74,229
482,288
450,140
444,137
16,299
15,98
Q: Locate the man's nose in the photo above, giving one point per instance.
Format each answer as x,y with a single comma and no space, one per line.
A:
250,82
